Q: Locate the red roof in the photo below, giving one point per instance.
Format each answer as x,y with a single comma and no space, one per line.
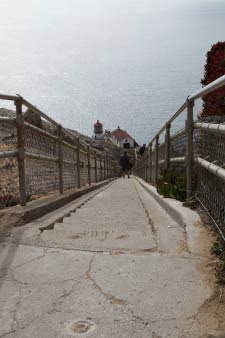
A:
98,124
120,134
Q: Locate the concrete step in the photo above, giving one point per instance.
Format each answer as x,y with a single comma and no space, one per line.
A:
82,224
86,227
135,221
102,224
99,239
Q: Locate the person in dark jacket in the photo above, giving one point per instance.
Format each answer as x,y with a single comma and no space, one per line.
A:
125,164
142,149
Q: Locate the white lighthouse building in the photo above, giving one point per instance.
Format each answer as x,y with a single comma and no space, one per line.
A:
98,131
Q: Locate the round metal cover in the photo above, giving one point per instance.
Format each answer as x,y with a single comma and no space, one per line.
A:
81,326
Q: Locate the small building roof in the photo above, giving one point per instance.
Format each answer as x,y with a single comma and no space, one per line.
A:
121,134
98,124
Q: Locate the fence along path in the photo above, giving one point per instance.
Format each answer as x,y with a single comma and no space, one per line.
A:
197,149
34,161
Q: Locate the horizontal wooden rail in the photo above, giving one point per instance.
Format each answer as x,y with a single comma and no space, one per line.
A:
177,159
9,120
8,154
83,151
69,162
40,131
8,97
178,134
216,128
58,142
220,82
41,157
211,167
69,145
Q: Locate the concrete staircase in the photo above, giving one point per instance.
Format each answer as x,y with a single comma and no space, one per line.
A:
101,224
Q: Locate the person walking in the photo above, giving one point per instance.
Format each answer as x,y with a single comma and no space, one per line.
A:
125,165
142,149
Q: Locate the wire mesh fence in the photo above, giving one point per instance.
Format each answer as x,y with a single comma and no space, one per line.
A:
53,159
208,144
178,144
41,177
211,193
9,183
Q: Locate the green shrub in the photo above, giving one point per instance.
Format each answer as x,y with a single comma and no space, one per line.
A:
172,184
220,272
218,249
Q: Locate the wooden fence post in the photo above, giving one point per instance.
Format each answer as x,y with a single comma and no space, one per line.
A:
60,159
150,162
78,163
20,150
167,146
146,166
156,158
107,168
104,167
96,168
89,166
189,147
100,168
113,169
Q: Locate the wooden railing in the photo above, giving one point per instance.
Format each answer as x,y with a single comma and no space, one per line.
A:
47,161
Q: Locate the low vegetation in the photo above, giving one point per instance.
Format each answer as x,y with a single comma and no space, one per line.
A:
218,249
172,184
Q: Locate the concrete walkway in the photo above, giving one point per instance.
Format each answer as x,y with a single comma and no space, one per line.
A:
118,267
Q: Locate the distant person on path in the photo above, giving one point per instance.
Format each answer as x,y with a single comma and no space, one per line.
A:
142,149
125,164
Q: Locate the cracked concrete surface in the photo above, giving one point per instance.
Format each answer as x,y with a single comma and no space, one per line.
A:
119,262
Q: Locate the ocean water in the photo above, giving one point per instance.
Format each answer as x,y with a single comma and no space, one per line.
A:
125,62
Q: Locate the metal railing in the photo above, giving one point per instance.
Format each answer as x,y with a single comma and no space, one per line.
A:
200,145
35,161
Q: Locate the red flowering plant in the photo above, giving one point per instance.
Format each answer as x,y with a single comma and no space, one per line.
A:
214,103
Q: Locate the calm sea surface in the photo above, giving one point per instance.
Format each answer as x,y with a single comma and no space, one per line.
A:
125,62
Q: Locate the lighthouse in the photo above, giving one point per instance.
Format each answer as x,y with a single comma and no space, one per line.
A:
98,131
